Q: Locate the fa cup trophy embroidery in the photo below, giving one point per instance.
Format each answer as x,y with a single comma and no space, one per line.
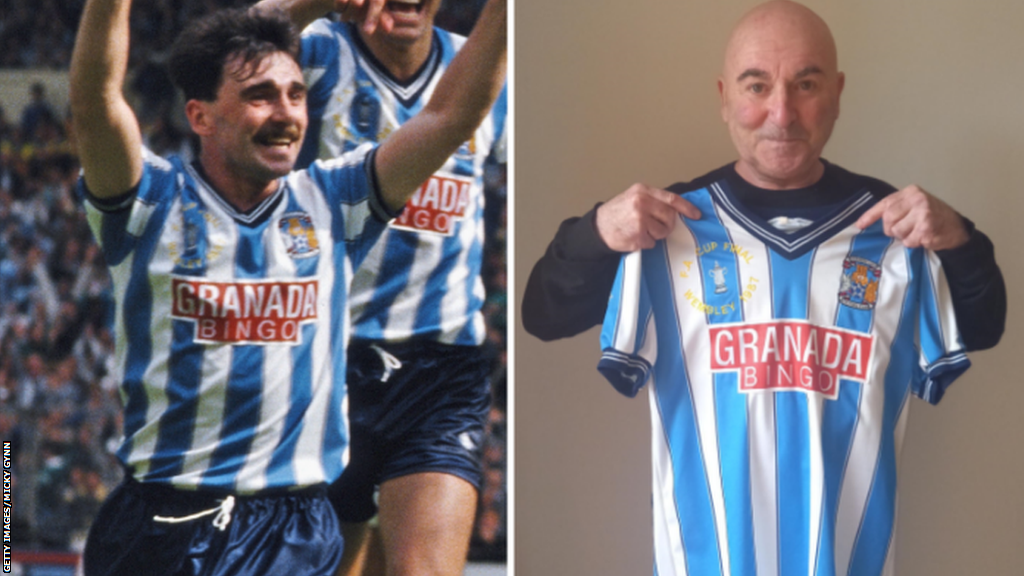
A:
718,275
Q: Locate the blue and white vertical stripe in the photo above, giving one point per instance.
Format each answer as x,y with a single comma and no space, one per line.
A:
235,415
413,282
775,482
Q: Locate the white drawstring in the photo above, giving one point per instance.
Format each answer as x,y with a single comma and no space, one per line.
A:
220,521
390,362
223,517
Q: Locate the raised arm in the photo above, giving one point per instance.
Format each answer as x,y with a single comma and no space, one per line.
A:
109,141
461,101
568,289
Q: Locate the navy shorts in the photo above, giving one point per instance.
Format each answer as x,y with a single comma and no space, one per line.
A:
415,406
143,528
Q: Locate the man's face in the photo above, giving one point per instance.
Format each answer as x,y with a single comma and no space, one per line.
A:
780,98
256,124
414,19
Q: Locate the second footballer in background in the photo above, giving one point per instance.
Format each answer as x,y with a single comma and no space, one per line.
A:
417,377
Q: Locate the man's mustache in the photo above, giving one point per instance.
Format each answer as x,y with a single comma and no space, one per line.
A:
278,131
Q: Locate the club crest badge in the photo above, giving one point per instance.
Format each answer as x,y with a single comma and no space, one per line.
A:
299,235
365,113
194,247
467,151
858,288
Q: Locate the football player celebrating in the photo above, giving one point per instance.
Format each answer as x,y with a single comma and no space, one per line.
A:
417,377
231,278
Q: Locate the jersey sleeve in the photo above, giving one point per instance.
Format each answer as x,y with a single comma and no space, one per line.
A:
119,223
349,184
628,340
321,61
942,356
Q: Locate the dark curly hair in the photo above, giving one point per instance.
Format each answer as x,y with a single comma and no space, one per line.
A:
201,50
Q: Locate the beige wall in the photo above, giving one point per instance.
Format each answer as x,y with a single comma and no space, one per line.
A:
608,93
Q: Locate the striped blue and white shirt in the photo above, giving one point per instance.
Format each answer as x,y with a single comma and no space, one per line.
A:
231,327
779,368
422,279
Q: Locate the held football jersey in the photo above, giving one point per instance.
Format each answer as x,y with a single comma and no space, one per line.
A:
422,278
779,368
231,327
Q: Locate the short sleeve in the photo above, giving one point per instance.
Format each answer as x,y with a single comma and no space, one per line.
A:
351,179
321,57
628,336
942,356
119,223
320,61
349,185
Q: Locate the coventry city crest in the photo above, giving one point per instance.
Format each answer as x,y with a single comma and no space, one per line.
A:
299,236
858,288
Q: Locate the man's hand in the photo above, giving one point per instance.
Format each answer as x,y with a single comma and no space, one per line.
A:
917,218
370,13
640,216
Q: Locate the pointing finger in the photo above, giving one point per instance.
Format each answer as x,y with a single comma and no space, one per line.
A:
685,208
874,213
677,203
373,14
387,22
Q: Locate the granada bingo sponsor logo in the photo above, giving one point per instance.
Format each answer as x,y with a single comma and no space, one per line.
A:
790,355
245,312
436,205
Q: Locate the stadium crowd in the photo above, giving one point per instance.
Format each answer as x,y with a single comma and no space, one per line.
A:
40,33
59,403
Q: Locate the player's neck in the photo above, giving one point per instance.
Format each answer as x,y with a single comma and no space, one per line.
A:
402,60
242,193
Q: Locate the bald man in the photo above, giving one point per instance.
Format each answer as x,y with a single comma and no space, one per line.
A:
779,310
780,90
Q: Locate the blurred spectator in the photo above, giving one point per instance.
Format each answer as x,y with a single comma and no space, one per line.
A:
31,382
165,138
58,402
6,128
37,113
